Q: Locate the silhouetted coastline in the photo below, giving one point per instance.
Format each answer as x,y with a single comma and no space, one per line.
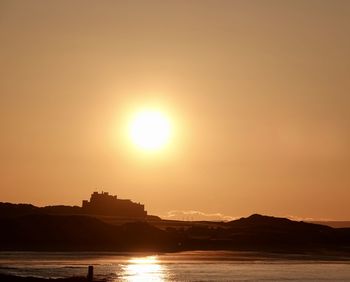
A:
24,230
102,204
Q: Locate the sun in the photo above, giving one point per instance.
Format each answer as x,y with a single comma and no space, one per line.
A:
150,130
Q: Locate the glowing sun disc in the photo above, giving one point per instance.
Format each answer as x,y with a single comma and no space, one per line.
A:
150,130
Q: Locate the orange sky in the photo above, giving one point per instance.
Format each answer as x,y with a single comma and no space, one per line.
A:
258,92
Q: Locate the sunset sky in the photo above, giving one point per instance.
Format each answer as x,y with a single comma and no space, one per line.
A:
257,95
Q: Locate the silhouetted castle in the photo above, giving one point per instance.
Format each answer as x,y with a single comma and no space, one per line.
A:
105,204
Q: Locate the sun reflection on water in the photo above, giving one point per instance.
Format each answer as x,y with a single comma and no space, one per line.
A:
144,269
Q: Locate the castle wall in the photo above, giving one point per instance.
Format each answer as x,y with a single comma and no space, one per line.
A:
105,204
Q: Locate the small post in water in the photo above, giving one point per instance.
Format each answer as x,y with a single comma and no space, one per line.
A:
90,276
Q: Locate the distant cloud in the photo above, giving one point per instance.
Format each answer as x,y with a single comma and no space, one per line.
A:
192,215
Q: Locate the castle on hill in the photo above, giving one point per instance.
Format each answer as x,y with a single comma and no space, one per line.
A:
105,204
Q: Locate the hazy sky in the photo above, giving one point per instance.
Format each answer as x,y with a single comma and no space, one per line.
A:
258,93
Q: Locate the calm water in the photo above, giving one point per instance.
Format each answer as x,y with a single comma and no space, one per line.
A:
186,266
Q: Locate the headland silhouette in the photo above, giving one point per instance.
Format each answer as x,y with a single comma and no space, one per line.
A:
106,223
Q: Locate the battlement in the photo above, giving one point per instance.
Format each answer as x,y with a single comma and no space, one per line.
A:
105,204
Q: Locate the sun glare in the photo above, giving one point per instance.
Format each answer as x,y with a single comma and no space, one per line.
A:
150,130
144,269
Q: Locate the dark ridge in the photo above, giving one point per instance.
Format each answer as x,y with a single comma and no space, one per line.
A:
59,232
111,206
8,209
43,232
263,221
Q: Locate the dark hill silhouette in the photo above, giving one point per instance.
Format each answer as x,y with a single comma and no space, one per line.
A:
48,232
8,209
280,233
43,232
257,221
267,233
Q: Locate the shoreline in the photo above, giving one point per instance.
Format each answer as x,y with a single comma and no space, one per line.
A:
15,278
205,255
13,264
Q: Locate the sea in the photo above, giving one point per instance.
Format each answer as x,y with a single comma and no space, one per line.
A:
182,266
